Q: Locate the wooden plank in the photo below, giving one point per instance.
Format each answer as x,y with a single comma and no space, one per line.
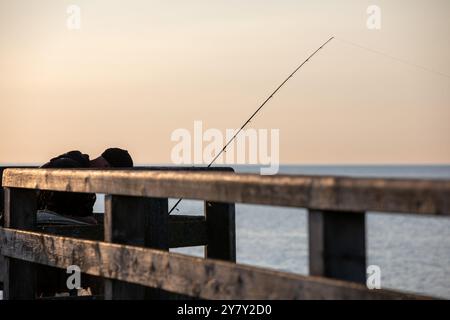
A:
133,220
337,245
325,193
207,279
80,232
20,208
136,221
221,231
184,231
187,231
2,195
19,276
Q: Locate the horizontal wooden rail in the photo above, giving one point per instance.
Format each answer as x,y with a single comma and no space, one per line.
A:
208,279
421,196
184,231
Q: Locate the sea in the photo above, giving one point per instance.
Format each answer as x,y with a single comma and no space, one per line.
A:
412,251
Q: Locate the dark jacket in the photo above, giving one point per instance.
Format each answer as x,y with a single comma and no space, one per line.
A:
67,203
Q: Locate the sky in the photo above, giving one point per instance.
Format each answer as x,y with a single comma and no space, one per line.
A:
136,71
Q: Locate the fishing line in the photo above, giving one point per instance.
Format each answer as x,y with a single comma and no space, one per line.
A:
257,110
423,68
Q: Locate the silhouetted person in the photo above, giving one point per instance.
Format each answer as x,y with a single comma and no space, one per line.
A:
74,205
79,204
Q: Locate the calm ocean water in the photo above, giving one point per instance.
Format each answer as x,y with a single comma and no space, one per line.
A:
413,252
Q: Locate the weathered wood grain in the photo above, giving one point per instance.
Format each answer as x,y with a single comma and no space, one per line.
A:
135,221
325,193
337,245
208,279
221,231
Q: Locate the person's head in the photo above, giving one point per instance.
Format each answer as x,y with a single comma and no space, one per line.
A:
113,157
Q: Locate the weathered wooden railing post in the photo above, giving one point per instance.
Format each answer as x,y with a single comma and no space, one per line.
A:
337,245
135,221
221,231
20,213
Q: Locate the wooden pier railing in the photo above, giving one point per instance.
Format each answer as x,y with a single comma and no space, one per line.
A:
130,249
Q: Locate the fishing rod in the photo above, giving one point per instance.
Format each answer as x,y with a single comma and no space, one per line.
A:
257,110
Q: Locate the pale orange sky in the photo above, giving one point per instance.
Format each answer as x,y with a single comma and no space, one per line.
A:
138,70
